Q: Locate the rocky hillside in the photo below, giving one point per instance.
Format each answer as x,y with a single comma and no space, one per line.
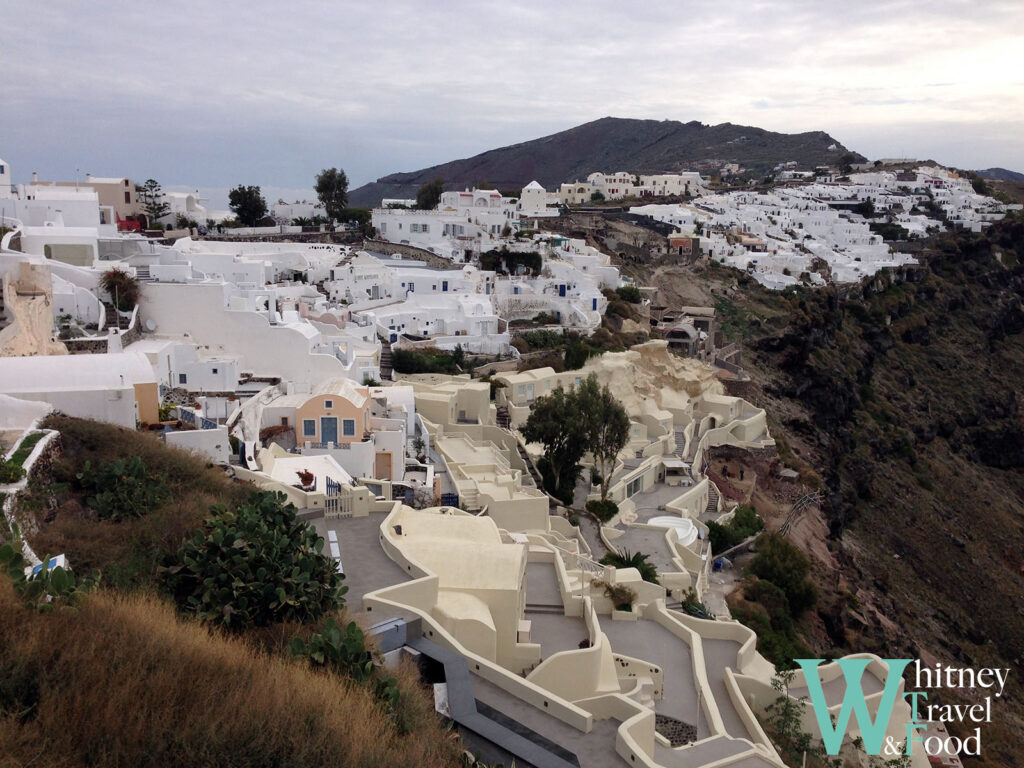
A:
901,398
614,144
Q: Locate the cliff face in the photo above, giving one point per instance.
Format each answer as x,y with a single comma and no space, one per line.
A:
614,144
904,394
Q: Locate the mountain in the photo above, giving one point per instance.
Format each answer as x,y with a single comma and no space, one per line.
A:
1000,174
615,144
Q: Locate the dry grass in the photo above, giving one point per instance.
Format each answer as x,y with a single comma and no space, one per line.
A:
126,552
120,681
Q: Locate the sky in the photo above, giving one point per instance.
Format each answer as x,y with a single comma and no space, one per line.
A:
208,95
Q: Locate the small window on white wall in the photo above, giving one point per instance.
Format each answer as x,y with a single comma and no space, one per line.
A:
182,378
309,427
214,370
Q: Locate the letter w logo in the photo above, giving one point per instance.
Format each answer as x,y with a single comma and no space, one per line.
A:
873,733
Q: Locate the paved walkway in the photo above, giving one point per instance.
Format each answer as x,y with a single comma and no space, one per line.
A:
647,640
556,632
589,530
648,541
542,585
367,567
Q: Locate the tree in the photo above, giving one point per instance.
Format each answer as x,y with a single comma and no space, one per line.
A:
555,421
577,351
429,195
248,204
786,567
153,200
597,197
332,190
254,566
607,426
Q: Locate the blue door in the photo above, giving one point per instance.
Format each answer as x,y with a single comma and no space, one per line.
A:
594,306
444,285
328,429
561,290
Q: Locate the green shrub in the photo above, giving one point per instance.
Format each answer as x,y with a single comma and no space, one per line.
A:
543,339
745,523
44,590
629,293
427,360
345,651
577,352
21,455
122,489
602,510
253,566
786,567
10,472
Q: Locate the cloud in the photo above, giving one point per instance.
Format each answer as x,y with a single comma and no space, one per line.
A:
214,95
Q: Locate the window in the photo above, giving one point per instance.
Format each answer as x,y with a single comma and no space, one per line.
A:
634,486
424,227
348,427
309,427
182,378
284,421
328,404
127,195
213,370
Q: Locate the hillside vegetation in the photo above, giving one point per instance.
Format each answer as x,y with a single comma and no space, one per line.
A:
120,681
902,396
117,677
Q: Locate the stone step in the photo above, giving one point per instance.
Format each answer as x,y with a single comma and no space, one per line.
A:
544,608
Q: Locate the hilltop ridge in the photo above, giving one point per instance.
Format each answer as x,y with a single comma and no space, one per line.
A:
613,144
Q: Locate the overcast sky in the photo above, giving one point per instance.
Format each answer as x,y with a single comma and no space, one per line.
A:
213,94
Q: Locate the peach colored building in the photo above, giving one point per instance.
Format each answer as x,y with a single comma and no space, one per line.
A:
338,414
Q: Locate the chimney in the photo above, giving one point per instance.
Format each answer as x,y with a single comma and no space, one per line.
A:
88,177
35,177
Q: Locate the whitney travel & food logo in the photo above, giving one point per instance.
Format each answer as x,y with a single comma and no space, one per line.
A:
876,732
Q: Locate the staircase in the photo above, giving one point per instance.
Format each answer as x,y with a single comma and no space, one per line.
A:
712,506
113,319
529,465
469,500
142,274
680,435
503,417
385,359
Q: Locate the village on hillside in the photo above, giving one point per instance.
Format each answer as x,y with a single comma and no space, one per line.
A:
408,383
